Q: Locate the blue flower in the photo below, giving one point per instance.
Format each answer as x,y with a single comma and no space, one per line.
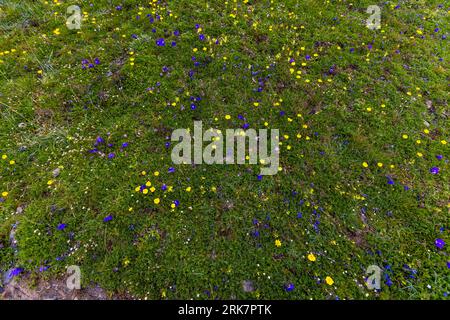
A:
434,170
440,243
160,42
289,287
62,226
108,218
15,272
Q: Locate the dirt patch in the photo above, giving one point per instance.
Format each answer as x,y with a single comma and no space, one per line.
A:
22,289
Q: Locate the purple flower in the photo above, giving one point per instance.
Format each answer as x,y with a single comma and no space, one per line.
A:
176,203
171,170
439,243
111,155
96,61
118,8
160,42
125,144
43,268
108,218
434,170
448,264
308,57
62,226
439,157
201,37
176,33
173,44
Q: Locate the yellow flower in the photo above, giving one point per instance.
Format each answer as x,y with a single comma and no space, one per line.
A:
156,173
12,162
420,154
50,182
4,194
443,142
152,189
137,189
143,173
365,164
277,243
228,117
145,191
329,281
148,183
426,131
156,201
311,257
4,156
188,189
405,136
379,164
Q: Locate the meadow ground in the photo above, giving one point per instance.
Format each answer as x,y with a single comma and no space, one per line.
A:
86,176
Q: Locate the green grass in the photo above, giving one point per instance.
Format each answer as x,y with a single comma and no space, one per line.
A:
52,112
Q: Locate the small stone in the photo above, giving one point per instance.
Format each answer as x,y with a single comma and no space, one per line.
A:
56,172
248,286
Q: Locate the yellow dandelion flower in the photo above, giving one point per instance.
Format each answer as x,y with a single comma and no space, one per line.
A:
277,243
311,257
329,281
